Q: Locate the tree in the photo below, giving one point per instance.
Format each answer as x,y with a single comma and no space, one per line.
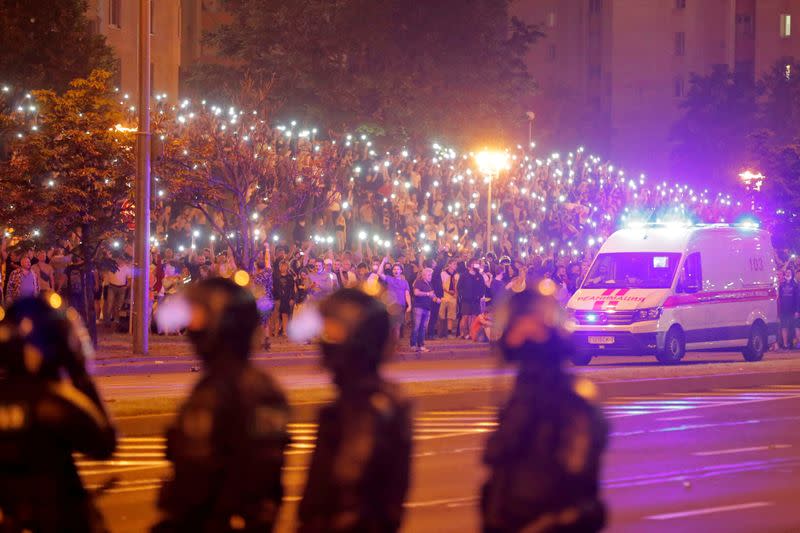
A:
45,45
239,172
776,149
451,68
712,137
70,172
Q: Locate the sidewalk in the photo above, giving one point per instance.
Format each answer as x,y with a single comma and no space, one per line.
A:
116,348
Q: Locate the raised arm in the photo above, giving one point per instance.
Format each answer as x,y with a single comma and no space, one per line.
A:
381,273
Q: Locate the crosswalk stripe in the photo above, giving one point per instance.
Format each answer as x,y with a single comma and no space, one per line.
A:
142,453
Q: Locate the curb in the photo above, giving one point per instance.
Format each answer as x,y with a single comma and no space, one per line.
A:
492,397
176,364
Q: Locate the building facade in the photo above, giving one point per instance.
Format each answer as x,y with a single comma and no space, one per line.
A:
613,73
118,21
198,18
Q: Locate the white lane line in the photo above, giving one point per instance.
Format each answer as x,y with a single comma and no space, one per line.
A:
710,510
451,435
674,418
448,502
725,404
742,450
123,470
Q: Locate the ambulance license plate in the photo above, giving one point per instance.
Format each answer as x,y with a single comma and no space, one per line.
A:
601,340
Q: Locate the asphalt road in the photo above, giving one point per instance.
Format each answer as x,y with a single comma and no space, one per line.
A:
129,380
722,460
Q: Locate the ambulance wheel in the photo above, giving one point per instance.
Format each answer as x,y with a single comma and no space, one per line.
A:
581,359
674,347
757,344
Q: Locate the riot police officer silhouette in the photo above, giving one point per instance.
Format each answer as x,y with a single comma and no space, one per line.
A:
227,444
359,471
45,417
544,457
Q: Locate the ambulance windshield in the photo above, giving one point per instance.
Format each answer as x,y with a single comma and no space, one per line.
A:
632,270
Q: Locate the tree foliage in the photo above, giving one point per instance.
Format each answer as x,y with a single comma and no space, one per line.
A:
230,164
418,68
776,148
47,44
712,137
732,123
70,171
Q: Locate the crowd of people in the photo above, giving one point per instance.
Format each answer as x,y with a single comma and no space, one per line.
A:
561,205
418,224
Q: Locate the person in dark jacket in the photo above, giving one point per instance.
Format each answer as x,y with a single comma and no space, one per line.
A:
788,306
544,458
471,288
359,473
227,444
285,295
45,418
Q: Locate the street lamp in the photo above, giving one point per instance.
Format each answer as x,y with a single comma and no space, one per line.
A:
753,181
490,163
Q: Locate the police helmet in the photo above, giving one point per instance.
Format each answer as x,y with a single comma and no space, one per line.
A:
39,337
356,328
223,317
533,326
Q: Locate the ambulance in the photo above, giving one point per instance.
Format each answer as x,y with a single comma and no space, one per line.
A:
663,289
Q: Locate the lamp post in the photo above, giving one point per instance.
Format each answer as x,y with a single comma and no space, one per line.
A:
531,117
140,315
753,181
490,163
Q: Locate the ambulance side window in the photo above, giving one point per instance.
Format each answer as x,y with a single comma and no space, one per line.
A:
692,274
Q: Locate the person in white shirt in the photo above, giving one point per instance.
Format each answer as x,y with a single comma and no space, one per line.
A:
348,278
118,284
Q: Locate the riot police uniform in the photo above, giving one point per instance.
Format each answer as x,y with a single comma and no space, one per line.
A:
544,457
228,441
44,418
359,472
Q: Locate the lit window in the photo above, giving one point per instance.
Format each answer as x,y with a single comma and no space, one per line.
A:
786,26
114,13
787,71
680,44
551,19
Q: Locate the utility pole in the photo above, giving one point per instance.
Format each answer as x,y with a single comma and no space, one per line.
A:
531,117
489,210
140,312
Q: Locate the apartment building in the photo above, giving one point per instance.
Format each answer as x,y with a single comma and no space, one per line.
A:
118,21
197,18
612,73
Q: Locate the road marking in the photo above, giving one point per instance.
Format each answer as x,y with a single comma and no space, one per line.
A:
710,510
694,474
142,453
674,418
742,450
448,502
124,470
